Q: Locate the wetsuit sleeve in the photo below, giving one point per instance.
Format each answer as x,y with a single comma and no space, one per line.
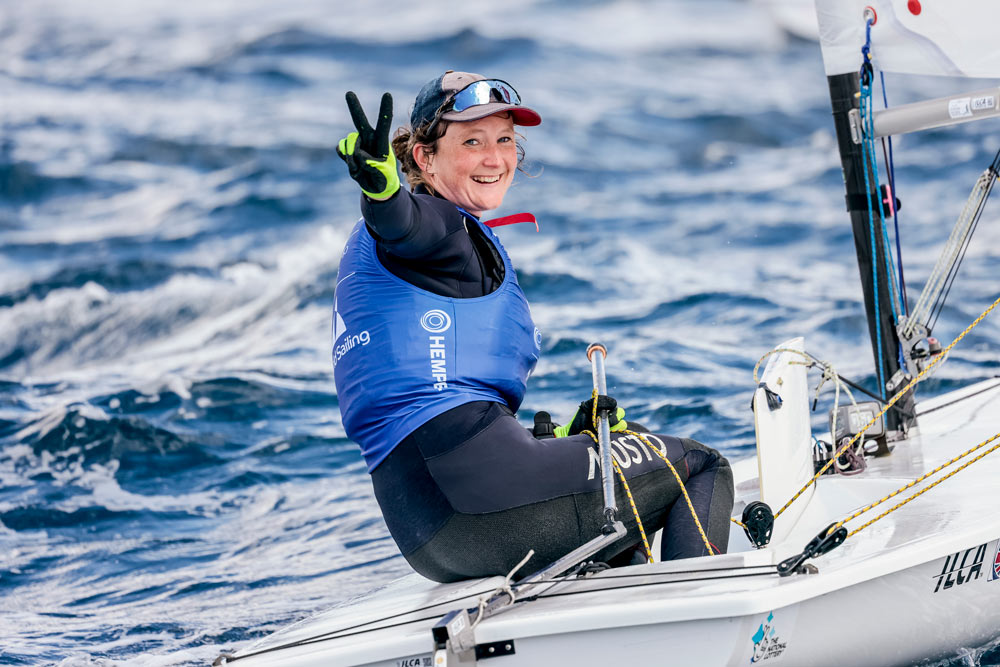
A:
411,226
425,241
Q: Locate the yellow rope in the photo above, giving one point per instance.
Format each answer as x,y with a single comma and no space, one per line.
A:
631,500
687,498
635,511
892,401
621,475
917,481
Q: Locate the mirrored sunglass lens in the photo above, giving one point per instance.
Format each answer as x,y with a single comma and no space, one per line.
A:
479,93
474,95
506,93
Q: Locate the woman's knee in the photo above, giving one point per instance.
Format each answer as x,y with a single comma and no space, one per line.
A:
702,458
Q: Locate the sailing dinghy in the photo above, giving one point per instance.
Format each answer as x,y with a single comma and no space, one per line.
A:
877,543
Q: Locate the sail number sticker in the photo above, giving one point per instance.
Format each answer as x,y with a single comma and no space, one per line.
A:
983,103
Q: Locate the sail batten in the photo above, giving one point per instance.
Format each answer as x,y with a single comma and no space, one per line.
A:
939,37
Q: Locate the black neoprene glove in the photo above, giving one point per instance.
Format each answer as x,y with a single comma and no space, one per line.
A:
583,419
369,157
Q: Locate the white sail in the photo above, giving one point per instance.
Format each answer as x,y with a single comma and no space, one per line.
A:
945,37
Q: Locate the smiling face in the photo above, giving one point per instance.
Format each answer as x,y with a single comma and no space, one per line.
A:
474,163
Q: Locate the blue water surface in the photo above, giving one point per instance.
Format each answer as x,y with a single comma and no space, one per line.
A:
174,476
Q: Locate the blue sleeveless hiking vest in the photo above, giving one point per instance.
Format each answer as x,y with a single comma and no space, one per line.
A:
403,355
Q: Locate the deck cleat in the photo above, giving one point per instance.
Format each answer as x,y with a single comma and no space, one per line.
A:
830,538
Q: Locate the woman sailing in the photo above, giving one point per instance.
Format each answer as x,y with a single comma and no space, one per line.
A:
433,346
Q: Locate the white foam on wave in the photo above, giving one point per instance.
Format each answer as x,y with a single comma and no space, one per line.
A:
245,318
336,516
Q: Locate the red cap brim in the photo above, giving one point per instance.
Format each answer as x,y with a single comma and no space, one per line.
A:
521,115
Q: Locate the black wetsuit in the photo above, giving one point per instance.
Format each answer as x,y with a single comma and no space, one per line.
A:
469,492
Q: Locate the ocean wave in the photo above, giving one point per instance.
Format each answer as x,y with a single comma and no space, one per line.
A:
134,274
90,518
67,440
23,183
546,286
466,45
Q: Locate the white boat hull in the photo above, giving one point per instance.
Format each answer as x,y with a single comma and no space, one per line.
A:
919,584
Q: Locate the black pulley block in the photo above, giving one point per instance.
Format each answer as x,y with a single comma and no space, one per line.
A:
758,522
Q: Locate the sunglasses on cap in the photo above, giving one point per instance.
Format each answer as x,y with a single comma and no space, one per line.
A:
476,94
481,92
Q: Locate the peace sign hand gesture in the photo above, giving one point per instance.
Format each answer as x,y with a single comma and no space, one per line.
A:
369,157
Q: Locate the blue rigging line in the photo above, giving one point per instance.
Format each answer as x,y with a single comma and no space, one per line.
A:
874,255
891,167
894,289
865,102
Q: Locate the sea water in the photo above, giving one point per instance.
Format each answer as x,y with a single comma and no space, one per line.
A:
174,476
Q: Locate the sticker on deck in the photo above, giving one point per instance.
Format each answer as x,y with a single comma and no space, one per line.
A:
768,642
416,661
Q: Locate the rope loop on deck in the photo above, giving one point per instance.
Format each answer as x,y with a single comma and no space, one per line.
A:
504,588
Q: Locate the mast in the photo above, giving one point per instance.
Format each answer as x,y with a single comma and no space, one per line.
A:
844,89
953,39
